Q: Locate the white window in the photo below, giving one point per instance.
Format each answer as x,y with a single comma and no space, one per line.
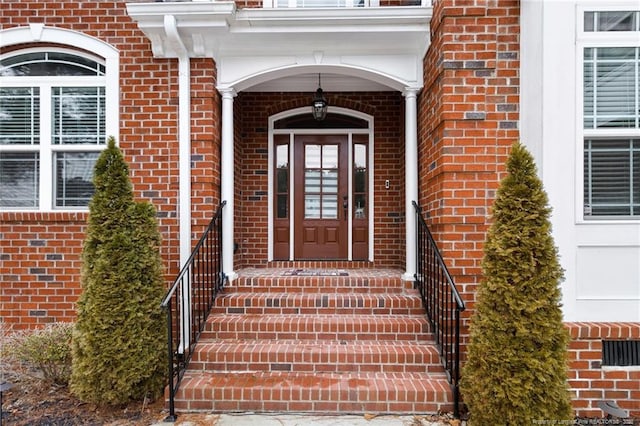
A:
52,128
611,114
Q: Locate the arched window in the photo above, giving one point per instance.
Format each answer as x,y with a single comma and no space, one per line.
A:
52,127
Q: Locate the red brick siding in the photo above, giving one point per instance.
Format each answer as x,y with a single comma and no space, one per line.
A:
40,252
468,119
589,382
40,257
251,173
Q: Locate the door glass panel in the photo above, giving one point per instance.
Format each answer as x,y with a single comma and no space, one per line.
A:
330,157
360,203
330,206
311,206
330,182
283,202
312,156
312,181
359,181
282,181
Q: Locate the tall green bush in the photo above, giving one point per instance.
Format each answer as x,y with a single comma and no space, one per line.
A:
516,370
119,342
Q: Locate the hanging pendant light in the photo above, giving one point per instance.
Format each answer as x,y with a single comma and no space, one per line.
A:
319,104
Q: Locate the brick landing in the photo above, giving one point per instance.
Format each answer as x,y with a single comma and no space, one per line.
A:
320,344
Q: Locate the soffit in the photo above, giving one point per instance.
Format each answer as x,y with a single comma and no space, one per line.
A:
381,41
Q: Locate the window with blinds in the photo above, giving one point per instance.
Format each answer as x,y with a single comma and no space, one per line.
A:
50,128
611,120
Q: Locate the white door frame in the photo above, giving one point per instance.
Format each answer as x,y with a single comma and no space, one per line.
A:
292,132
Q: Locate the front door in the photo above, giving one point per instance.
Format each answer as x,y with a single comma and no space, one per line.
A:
321,196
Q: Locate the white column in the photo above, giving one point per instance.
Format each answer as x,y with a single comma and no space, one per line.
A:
411,178
227,182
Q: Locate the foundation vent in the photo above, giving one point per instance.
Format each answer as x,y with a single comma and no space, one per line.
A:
620,353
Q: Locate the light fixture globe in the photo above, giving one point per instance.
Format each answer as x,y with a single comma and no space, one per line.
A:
319,105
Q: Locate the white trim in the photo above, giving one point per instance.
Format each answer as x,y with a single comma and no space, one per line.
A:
184,136
292,165
268,4
385,45
597,39
411,179
227,182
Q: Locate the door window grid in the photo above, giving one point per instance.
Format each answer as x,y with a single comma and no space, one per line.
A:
321,182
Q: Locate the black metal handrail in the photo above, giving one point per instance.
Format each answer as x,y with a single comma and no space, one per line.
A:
189,301
442,302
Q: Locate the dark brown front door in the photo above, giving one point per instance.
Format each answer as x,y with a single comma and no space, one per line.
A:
321,197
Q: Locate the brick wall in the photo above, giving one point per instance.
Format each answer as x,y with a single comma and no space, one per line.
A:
253,110
468,119
40,252
589,381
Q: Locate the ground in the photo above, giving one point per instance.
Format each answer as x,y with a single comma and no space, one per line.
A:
32,402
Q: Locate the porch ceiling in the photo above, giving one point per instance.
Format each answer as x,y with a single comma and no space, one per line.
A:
273,49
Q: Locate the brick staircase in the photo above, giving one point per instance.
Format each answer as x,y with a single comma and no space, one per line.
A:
324,344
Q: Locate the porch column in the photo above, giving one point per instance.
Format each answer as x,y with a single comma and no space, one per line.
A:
411,178
227,182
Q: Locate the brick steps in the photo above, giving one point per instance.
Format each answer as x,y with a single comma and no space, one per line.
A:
318,304
330,343
314,392
318,327
353,283
316,356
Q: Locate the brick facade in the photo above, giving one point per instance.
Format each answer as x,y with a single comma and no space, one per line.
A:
468,120
40,251
468,114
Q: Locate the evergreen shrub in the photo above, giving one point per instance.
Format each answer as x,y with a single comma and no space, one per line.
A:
516,368
119,343
47,350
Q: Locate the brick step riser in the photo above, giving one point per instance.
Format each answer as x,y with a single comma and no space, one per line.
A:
323,394
322,282
317,289
230,310
316,328
317,407
212,357
349,335
308,406
233,367
348,304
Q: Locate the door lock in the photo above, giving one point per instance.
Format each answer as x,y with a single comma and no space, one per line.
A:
345,205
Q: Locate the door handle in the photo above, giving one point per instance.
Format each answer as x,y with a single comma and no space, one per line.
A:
345,205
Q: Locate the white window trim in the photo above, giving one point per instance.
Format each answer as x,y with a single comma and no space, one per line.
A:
101,52
598,39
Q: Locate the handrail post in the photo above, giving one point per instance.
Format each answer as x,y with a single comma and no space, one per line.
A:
172,406
456,388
